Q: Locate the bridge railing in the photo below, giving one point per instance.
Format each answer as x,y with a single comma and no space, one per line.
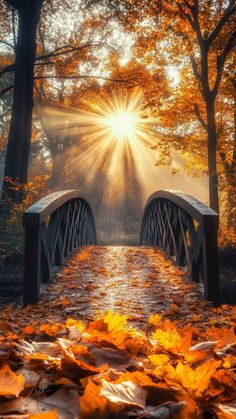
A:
54,227
187,230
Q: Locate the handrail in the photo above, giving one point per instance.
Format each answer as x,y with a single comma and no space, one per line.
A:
197,209
54,227
38,212
187,229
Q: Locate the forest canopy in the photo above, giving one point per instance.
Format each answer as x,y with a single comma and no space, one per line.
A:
177,59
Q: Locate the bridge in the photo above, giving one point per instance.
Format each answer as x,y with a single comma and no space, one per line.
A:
184,228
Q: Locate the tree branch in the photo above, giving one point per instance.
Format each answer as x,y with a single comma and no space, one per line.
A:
199,116
186,15
6,89
7,44
195,69
221,61
6,70
57,52
60,51
196,24
84,77
188,4
229,11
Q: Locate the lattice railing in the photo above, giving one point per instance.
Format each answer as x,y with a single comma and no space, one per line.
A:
54,227
187,230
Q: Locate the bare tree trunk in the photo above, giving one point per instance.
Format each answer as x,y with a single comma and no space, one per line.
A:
16,165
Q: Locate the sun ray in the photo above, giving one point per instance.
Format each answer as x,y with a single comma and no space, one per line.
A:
112,161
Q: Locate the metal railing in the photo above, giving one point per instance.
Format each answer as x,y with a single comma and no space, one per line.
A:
54,227
186,229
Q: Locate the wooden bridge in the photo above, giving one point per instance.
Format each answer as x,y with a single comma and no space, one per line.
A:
183,227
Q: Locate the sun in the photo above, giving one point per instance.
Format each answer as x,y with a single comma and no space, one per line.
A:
122,124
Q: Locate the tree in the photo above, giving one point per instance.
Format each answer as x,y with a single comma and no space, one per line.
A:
77,45
206,38
21,121
204,31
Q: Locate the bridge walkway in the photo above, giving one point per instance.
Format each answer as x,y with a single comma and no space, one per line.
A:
136,281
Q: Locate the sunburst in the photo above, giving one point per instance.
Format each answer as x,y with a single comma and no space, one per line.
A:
123,125
114,140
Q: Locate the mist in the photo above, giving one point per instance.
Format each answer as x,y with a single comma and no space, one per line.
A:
116,175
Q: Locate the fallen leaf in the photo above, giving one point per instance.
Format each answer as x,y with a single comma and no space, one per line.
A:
47,415
92,401
11,384
126,393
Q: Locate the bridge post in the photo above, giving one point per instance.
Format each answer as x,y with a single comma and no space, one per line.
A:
211,266
32,265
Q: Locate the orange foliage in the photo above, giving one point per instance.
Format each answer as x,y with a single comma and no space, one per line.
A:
163,378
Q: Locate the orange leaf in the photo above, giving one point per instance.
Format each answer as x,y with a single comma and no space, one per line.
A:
46,415
51,329
11,384
28,330
92,401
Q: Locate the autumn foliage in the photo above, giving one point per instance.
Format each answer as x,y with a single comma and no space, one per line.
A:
105,368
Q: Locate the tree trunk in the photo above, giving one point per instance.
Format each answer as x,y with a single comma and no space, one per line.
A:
212,139
16,165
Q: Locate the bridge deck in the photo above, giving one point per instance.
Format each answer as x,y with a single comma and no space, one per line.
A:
137,281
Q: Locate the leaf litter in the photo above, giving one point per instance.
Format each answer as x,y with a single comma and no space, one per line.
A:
166,353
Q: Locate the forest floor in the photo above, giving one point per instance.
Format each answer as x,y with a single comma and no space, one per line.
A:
120,333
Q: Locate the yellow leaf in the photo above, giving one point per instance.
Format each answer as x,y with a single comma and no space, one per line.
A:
159,360
115,322
171,340
11,384
78,324
229,362
137,377
194,380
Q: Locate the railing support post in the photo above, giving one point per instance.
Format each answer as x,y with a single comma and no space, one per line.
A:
32,265
211,266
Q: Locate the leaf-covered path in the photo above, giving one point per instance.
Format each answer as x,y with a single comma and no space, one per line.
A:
76,354
135,281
